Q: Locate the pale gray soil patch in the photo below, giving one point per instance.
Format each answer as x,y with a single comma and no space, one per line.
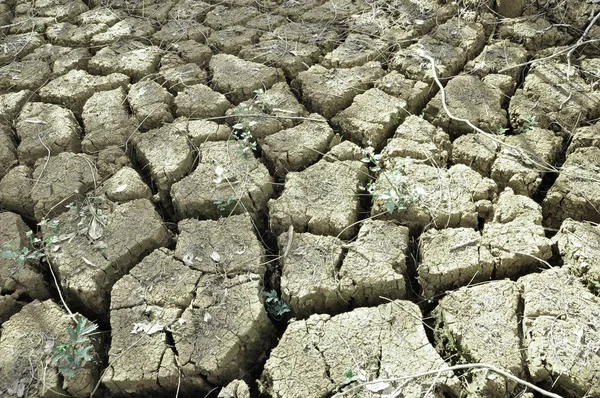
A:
235,389
25,351
418,139
587,136
534,34
60,59
179,30
125,185
11,105
323,199
481,325
16,46
323,35
345,150
366,342
232,39
371,118
476,151
469,36
497,56
70,35
60,10
111,160
178,75
356,50
559,332
8,150
579,246
189,10
192,51
266,22
575,193
201,131
131,58
46,129
100,15
199,101
128,27
150,104
15,191
106,121
227,181
77,86
334,12
109,241
222,17
414,92
238,79
328,91
298,147
24,75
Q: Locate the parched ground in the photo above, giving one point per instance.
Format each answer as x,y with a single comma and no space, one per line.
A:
299,198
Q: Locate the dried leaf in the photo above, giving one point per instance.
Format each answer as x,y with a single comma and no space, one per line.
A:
121,188
207,317
215,257
377,387
95,230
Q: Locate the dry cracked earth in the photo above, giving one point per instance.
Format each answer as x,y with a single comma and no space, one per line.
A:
276,198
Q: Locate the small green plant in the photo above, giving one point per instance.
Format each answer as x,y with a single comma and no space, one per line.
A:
529,124
275,306
36,250
372,159
349,377
398,195
244,137
71,356
222,204
501,130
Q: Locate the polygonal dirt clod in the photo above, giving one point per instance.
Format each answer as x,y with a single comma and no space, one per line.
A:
177,76
8,150
554,100
356,50
167,154
11,105
523,160
309,267
476,151
296,148
179,30
328,91
232,39
480,324
227,180
26,357
238,79
575,193
125,185
470,36
468,98
418,139
129,27
323,199
130,58
496,57
201,131
228,246
560,319
18,281
371,118
199,101
25,75
375,265
584,137
19,45
150,104
533,33
414,92
44,128
327,350
322,34
579,246
106,121
104,241
419,195
76,87
60,178
15,191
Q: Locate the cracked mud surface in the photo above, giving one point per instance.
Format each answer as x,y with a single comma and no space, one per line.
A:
276,199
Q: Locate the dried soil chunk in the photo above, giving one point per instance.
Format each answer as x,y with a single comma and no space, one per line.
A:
144,303
451,258
238,79
277,53
177,78
181,29
8,150
415,93
469,36
21,282
356,50
521,163
224,329
222,17
579,246
323,199
235,389
375,265
560,343
469,98
226,181
24,75
106,121
166,153
26,361
228,246
418,139
555,101
60,10
125,185
150,104
201,131
575,193
15,191
111,241
448,60
497,56
14,47
69,35
323,35
371,118
308,279
296,148
44,128
266,22
63,177
480,324
345,150
100,15
76,87
233,39
294,9
333,11
585,137
11,105
199,101
534,34
189,10
476,151
370,347
328,91
429,195
129,28
192,51
129,58
61,59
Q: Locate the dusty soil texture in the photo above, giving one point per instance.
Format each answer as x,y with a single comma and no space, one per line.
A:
300,198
